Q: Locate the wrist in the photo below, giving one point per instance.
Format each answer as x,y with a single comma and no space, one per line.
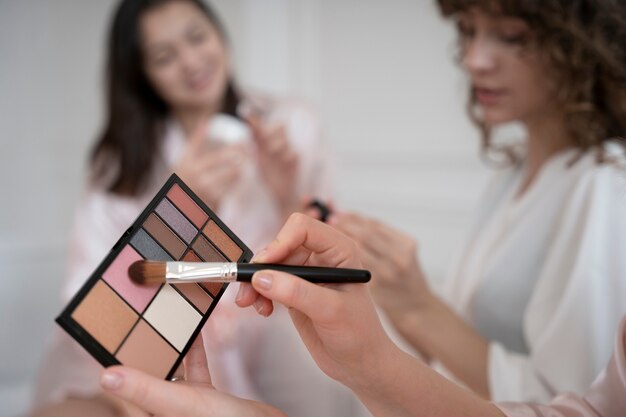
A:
416,324
381,365
413,314
394,386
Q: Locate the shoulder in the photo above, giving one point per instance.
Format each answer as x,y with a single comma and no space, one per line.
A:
602,181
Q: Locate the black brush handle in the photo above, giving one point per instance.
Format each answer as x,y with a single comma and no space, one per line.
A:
315,274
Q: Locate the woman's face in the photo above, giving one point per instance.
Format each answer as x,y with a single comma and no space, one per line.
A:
184,56
508,79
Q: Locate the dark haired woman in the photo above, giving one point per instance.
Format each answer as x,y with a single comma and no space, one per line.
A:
169,72
533,305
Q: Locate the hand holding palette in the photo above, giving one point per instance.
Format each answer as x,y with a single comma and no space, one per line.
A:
151,328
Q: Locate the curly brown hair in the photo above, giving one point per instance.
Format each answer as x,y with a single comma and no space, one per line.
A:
584,42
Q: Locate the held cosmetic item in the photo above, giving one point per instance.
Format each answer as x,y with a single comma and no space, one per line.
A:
156,272
151,328
323,210
227,129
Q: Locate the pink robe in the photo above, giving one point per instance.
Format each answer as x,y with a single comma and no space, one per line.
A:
605,398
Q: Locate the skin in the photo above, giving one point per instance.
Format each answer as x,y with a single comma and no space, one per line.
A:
510,82
186,62
345,338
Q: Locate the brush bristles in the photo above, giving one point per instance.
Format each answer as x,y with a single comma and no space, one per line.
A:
147,272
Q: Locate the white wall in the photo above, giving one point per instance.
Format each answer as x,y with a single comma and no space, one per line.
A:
380,72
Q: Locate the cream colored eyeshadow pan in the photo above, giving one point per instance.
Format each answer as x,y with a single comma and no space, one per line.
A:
173,317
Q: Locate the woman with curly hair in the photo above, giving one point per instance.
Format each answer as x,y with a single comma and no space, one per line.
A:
537,296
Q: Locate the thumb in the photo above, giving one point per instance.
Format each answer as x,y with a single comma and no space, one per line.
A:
299,294
151,394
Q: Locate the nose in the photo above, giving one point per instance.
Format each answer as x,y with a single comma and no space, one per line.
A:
479,56
189,59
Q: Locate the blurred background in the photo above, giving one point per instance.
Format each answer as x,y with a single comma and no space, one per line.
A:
381,74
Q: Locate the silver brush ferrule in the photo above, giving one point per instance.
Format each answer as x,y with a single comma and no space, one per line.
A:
185,272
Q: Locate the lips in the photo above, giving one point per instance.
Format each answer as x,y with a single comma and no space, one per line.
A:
200,81
488,96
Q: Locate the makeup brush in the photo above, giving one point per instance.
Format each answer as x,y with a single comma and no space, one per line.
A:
156,272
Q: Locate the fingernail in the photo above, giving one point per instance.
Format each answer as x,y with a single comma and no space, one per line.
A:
259,306
263,280
111,380
240,293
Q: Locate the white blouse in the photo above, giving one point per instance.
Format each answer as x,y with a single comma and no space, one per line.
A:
249,356
544,277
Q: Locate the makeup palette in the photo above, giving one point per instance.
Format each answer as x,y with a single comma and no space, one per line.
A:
151,328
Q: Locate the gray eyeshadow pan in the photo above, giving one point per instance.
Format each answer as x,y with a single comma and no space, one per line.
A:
176,220
148,248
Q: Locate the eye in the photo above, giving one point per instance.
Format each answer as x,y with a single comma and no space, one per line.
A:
198,36
162,59
512,31
514,38
465,30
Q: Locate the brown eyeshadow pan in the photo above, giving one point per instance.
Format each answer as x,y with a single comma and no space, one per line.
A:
105,316
164,235
196,295
145,350
207,251
223,241
212,287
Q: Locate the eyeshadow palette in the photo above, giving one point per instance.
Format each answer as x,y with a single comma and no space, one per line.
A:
152,327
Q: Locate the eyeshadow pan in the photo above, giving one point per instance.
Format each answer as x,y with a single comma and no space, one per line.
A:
196,295
105,316
173,317
145,350
164,235
187,205
116,275
212,287
176,220
207,251
148,247
223,241
191,256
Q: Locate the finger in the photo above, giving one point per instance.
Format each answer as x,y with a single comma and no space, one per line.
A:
246,295
312,212
149,393
263,306
258,130
362,230
297,293
389,241
289,158
301,231
195,362
276,142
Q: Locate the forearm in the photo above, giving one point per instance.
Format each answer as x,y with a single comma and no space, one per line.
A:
440,334
404,386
